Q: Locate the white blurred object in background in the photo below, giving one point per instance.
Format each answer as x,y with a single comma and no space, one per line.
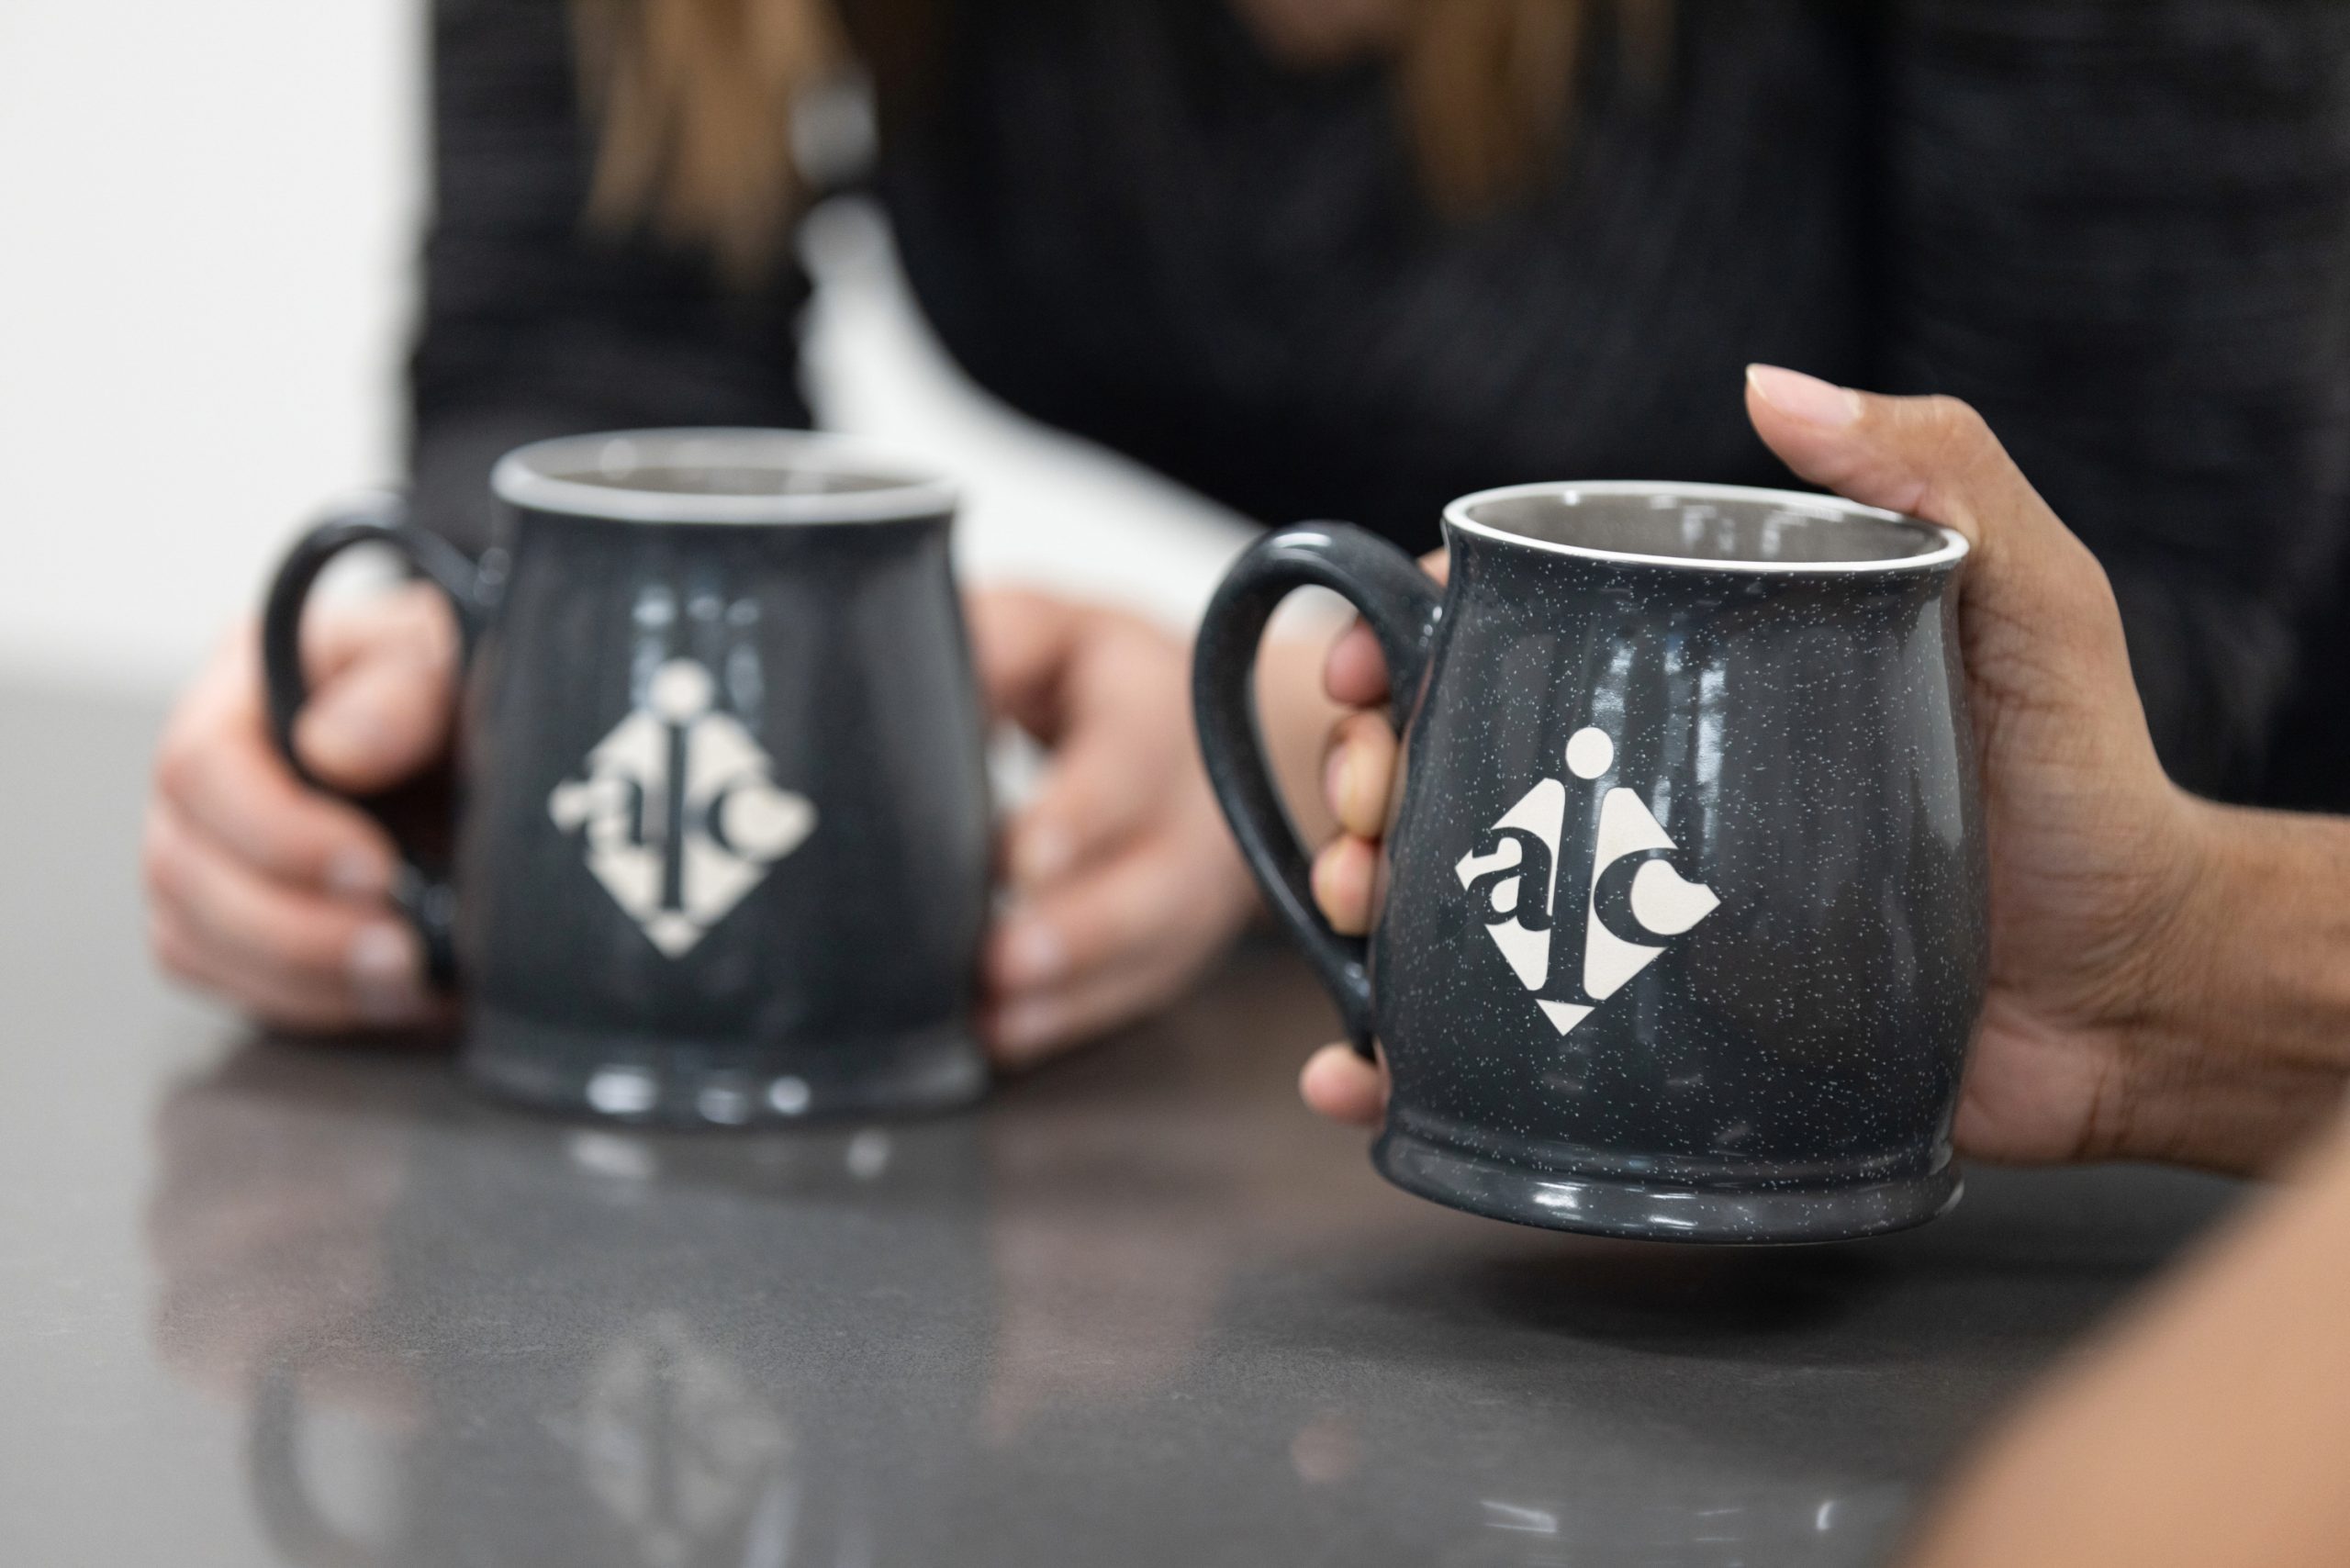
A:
211,214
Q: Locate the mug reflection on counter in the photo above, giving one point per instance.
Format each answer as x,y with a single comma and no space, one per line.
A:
586,1345
455,1336
450,1327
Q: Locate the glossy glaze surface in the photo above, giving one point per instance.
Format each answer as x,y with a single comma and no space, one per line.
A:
722,810
298,1305
832,660
1680,927
1780,759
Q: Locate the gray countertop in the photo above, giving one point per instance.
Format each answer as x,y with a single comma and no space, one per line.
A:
260,1303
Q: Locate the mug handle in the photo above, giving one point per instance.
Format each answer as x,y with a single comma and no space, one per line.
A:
1402,605
424,899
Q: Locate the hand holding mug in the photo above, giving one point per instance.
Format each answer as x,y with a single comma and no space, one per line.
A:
2101,928
275,895
1123,881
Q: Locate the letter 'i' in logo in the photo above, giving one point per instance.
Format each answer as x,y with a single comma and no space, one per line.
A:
682,819
1514,880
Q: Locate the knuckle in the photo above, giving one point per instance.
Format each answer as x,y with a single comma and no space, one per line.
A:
175,763
161,864
1956,424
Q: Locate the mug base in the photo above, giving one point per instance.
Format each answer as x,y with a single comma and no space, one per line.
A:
652,1080
1661,1211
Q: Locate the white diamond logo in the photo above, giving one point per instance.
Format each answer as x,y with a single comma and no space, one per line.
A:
678,813
1515,879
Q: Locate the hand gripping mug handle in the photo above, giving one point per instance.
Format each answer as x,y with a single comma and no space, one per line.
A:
424,899
1402,604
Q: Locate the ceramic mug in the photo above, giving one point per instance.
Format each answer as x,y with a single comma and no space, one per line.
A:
722,819
1680,927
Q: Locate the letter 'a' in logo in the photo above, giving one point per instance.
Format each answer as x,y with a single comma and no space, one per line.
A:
1515,881
681,817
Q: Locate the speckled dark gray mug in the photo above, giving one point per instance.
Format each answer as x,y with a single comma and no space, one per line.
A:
1681,924
721,827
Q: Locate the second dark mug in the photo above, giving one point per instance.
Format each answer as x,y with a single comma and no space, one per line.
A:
1681,924
722,817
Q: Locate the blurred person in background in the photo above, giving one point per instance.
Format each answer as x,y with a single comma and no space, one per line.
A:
1347,257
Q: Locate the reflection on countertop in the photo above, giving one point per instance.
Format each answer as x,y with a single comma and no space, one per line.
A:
1139,1308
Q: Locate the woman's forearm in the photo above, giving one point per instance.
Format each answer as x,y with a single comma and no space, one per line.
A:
2208,1433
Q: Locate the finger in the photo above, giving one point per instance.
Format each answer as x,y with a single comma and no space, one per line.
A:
1024,1030
218,768
291,954
219,764
1344,877
1354,676
300,1007
383,716
275,995
1022,642
1359,773
1339,1084
1106,947
1934,458
1097,792
341,633
1147,904
1356,671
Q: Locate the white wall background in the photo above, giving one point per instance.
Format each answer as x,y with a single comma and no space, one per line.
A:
208,212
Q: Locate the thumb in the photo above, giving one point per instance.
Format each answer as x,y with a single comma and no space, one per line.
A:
1934,458
382,715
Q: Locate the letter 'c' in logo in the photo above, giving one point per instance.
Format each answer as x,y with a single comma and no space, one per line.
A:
1514,878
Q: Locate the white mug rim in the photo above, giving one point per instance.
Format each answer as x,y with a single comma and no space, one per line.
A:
906,489
1953,549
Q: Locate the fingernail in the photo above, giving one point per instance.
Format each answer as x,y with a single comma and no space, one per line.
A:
1807,397
385,981
1039,855
1034,953
353,873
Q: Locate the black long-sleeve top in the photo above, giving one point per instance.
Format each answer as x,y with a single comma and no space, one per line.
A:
2122,228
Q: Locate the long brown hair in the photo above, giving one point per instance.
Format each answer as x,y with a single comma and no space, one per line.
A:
695,101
